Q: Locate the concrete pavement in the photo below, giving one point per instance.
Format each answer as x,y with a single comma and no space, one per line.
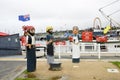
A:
85,70
90,68
11,69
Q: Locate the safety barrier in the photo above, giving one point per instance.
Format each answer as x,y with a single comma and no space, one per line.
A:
86,47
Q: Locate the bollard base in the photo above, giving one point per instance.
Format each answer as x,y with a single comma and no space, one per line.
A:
55,66
76,60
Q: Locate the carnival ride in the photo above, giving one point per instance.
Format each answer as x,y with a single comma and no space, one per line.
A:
108,16
112,34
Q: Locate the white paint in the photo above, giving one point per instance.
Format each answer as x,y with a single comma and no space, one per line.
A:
113,70
75,66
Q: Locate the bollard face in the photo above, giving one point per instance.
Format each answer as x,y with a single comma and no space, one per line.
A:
55,66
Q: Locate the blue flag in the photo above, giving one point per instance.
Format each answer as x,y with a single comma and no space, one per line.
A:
24,17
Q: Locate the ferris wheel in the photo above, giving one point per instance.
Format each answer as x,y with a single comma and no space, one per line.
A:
97,23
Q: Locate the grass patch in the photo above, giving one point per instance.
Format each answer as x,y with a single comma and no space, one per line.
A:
31,76
27,76
116,63
26,72
55,78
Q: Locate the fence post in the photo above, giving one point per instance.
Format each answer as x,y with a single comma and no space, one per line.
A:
95,46
115,49
59,52
99,56
83,47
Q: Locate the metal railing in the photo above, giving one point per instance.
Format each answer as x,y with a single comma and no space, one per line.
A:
97,48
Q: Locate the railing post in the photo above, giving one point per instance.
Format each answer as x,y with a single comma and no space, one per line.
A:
95,45
82,47
115,49
99,56
59,52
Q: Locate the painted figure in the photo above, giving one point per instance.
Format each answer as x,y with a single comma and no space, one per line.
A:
30,48
50,46
75,45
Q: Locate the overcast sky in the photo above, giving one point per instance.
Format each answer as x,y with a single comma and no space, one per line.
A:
61,14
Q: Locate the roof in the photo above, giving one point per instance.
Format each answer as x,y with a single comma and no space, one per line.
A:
3,34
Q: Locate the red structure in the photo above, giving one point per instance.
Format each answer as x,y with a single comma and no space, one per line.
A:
3,34
101,39
87,36
23,40
60,43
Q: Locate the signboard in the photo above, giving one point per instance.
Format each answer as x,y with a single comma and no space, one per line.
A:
87,36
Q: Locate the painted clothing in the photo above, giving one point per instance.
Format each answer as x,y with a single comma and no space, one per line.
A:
31,55
75,48
50,46
50,49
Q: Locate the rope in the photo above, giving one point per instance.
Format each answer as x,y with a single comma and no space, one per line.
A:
113,12
109,4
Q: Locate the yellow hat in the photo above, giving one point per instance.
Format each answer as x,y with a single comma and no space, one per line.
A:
49,28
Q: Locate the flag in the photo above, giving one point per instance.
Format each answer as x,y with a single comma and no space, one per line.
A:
24,17
106,29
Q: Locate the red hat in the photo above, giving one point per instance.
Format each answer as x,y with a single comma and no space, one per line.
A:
27,28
